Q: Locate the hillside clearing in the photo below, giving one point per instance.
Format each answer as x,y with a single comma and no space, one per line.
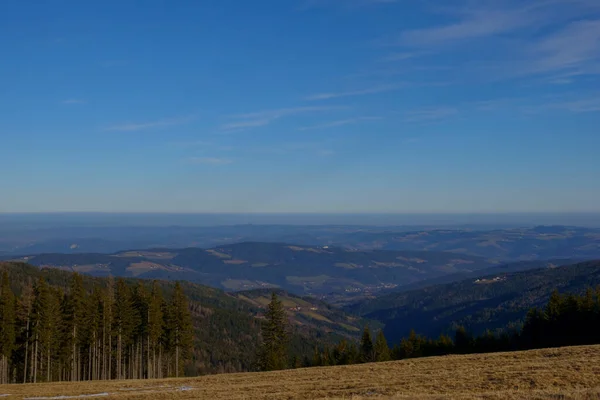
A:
565,373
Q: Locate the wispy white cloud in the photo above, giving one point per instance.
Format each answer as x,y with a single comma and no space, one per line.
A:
131,127
282,112
325,152
265,117
320,148
430,114
252,123
537,37
575,48
477,23
204,144
341,122
584,105
74,101
360,92
209,160
405,55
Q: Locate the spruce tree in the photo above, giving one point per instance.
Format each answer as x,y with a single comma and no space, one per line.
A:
273,355
124,326
7,328
382,350
74,317
141,305
366,347
52,331
181,327
93,332
155,329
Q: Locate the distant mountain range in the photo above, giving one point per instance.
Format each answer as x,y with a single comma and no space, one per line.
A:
494,301
514,244
306,270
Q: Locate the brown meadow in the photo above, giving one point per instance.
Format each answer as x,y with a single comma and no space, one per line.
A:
563,373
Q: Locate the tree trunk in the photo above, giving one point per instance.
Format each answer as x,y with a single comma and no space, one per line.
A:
110,356
26,351
35,359
119,357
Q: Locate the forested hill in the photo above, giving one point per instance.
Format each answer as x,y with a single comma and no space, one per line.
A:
308,312
315,270
226,329
491,302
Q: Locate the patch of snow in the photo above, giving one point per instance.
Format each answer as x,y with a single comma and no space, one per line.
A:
81,396
4,395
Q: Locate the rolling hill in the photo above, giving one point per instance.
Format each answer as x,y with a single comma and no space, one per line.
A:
492,302
535,243
506,243
308,312
314,270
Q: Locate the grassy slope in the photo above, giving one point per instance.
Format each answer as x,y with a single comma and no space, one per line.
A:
565,373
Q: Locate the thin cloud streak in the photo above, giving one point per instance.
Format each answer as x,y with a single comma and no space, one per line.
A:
371,90
430,114
209,160
263,118
245,124
401,56
542,37
576,106
342,122
478,25
132,127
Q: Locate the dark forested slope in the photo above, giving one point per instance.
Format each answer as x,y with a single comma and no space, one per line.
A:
492,302
226,328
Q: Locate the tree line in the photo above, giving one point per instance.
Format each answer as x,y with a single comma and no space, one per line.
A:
565,320
117,332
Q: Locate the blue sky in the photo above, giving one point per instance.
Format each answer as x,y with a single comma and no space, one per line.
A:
300,106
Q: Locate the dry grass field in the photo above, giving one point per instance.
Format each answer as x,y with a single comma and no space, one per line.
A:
566,373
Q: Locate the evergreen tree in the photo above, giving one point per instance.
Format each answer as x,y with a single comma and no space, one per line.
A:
41,329
366,347
52,331
462,340
382,350
155,329
7,328
74,317
123,325
93,333
317,359
274,348
181,327
25,309
141,305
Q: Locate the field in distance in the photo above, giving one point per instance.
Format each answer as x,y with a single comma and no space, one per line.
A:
564,373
